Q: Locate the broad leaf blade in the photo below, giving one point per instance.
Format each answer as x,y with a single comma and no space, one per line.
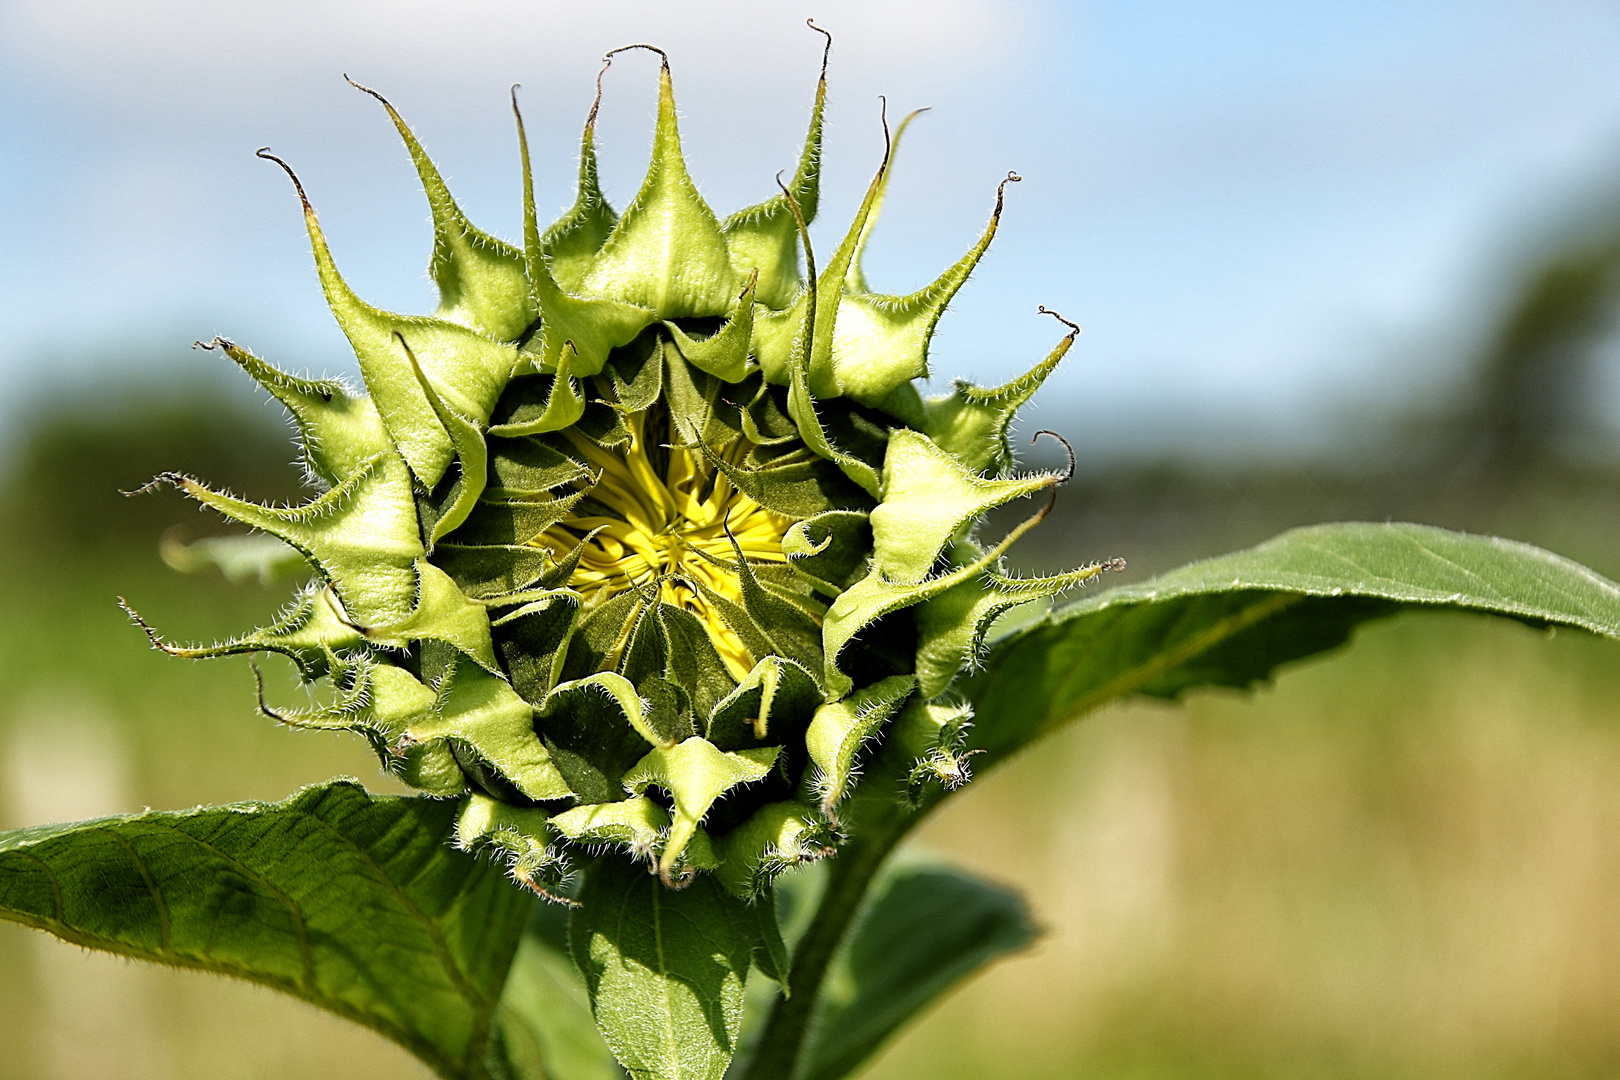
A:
926,929
353,902
1232,620
665,969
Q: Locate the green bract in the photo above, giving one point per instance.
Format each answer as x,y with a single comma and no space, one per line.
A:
645,537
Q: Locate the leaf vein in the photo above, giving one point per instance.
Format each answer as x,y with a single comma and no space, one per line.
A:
300,926
1134,677
164,928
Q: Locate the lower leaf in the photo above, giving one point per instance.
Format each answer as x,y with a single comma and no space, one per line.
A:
926,929
352,901
665,969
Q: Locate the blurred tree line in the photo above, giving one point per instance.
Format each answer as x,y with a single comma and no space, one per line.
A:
1524,442
76,460
1533,380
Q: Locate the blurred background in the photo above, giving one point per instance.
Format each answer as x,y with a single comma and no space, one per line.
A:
1332,261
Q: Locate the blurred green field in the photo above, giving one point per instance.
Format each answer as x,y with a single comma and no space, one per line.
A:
1401,861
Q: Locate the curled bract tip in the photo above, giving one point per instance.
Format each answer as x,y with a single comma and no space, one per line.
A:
608,56
1074,327
527,880
674,882
826,49
596,102
264,152
1051,497
1001,188
1033,439
258,687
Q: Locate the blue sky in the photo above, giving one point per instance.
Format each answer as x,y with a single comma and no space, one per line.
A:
1268,216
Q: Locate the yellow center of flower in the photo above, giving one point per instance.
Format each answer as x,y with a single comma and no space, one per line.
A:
659,517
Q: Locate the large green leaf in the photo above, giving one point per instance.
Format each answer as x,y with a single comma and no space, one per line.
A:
1230,621
352,901
665,969
925,929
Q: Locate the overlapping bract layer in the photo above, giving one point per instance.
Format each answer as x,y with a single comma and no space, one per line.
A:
643,539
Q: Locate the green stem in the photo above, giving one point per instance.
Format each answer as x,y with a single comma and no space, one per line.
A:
848,878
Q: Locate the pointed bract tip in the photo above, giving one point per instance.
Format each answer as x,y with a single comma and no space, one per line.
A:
151,635
172,478
368,90
264,152
804,238
421,377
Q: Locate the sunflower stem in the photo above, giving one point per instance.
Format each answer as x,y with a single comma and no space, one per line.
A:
883,824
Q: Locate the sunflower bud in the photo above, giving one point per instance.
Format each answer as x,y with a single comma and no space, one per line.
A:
645,539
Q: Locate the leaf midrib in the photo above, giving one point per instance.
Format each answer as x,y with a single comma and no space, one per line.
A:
1162,661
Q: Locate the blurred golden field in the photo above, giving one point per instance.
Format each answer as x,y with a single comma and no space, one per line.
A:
1399,861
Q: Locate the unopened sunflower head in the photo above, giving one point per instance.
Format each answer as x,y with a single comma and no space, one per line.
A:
645,538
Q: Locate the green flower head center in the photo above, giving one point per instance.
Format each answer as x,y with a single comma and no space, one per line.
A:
661,515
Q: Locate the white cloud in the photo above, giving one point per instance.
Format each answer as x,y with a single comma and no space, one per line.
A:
225,49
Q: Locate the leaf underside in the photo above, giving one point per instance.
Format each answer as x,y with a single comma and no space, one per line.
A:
1232,621
352,901
665,969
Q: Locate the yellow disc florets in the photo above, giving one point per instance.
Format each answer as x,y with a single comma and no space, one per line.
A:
664,516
